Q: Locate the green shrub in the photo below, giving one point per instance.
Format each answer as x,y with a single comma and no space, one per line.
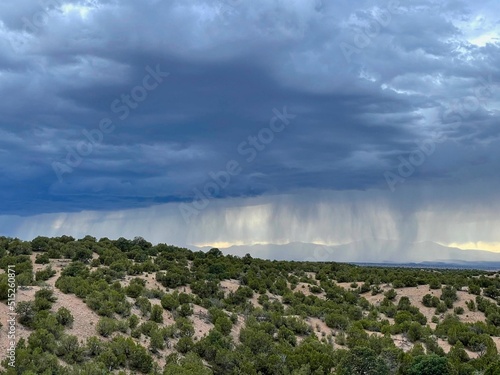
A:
430,301
459,310
133,321
170,302
337,321
441,308
64,317
184,345
44,274
42,259
390,294
106,326
157,314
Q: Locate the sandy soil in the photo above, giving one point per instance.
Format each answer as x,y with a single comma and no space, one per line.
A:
305,289
200,322
150,280
237,327
319,327
85,319
402,342
229,286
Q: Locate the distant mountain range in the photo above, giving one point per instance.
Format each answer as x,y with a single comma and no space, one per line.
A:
367,251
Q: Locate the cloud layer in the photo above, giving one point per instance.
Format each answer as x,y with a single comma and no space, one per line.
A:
393,114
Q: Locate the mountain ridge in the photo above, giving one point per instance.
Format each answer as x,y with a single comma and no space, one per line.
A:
364,251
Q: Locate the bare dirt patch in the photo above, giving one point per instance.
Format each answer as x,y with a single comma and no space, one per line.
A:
84,325
236,329
229,286
304,288
319,327
202,325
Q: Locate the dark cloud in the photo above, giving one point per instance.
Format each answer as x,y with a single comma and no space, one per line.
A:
231,65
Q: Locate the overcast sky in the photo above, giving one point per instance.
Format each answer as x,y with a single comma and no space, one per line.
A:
330,121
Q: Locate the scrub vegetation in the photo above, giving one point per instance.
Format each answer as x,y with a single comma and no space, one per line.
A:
123,306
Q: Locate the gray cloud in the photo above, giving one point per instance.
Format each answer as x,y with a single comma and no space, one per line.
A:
430,68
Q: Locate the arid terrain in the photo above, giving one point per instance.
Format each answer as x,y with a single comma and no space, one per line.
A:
167,303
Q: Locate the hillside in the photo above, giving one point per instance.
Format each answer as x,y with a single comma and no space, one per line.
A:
108,306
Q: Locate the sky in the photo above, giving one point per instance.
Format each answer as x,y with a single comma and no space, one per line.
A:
224,122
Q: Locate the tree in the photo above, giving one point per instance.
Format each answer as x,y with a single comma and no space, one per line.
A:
18,247
4,287
106,326
133,321
190,365
435,284
491,291
82,254
449,295
185,310
223,324
184,326
457,353
26,312
404,303
42,258
140,360
64,317
493,369
474,289
414,332
44,274
430,365
287,335
40,243
69,348
494,319
184,345
337,321
144,305
157,342
430,301
362,361
43,339
94,346
390,294
318,355
157,314
135,288
441,308
170,301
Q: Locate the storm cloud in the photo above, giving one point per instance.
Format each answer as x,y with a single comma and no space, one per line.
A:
325,121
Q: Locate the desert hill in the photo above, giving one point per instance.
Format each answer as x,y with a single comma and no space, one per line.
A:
92,306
